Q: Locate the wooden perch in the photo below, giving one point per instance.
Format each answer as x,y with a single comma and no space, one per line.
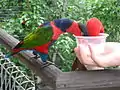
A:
53,77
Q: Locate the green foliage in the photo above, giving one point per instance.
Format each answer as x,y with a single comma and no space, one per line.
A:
62,52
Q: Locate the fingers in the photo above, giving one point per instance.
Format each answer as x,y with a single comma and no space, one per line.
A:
95,57
84,56
84,52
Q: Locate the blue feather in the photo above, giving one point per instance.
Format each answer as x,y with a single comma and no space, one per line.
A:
11,54
42,55
63,23
7,56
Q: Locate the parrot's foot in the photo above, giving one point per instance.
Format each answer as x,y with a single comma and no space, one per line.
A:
36,57
47,64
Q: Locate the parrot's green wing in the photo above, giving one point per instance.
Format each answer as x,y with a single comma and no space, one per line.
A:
38,37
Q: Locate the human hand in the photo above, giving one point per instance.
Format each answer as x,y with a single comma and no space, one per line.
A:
110,56
84,57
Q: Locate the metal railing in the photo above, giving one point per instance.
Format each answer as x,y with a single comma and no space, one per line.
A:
12,78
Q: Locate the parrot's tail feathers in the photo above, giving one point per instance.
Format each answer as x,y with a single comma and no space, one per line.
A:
15,50
8,55
18,45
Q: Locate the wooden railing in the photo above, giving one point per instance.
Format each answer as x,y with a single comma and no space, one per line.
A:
58,80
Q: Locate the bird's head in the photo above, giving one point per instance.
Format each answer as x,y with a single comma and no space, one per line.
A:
94,27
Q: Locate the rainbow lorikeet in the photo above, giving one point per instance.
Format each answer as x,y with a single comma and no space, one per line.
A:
46,34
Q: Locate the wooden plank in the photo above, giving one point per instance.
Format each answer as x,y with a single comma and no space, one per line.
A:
47,74
89,80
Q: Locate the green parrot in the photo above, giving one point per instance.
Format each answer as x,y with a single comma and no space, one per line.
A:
38,41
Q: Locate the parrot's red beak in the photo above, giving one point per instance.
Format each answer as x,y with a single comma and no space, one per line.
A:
94,27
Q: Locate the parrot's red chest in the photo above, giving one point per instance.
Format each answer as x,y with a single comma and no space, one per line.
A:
43,48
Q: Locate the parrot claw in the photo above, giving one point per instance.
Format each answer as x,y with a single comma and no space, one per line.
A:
47,64
37,57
